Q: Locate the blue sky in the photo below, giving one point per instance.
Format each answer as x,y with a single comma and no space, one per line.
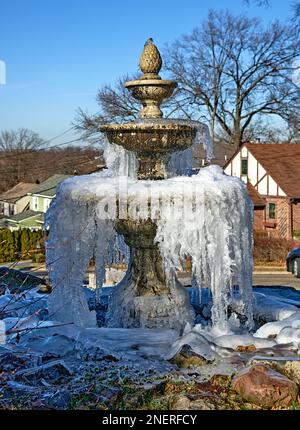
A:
59,52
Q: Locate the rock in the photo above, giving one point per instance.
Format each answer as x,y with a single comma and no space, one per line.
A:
20,388
45,289
182,403
110,394
98,354
3,289
263,386
40,404
202,404
186,358
52,371
292,370
246,348
60,400
11,362
185,404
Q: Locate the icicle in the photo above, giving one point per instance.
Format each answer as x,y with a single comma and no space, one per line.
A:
181,162
203,138
119,161
69,250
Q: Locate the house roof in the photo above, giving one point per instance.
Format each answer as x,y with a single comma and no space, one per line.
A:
17,192
222,153
256,198
24,215
89,167
282,162
48,187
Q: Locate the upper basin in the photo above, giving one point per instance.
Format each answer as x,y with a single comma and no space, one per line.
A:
152,135
151,93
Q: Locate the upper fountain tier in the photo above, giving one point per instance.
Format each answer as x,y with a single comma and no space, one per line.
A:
150,89
151,137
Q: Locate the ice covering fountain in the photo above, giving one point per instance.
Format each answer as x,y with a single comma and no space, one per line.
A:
138,210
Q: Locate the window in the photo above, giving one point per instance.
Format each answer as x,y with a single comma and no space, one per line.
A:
244,166
46,204
272,211
35,203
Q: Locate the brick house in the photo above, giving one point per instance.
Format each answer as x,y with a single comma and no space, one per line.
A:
272,174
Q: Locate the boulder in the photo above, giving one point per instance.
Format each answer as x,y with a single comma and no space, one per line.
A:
263,386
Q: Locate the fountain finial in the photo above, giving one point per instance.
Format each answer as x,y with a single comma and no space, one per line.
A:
150,89
150,61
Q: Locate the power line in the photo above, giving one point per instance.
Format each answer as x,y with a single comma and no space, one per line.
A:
30,151
68,158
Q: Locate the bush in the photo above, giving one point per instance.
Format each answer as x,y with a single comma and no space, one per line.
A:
38,258
20,244
271,249
296,235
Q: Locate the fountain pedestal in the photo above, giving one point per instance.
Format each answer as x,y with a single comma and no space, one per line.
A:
147,271
145,298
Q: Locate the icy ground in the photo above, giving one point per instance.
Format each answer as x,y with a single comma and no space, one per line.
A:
48,361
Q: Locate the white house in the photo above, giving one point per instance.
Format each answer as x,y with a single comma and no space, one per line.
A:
16,199
272,170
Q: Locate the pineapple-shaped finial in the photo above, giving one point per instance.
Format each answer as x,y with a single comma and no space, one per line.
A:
150,61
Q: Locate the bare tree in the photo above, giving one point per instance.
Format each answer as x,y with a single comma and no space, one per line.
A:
20,140
296,10
116,104
293,129
36,164
233,69
258,2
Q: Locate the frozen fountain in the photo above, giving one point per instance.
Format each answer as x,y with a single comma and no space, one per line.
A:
148,210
